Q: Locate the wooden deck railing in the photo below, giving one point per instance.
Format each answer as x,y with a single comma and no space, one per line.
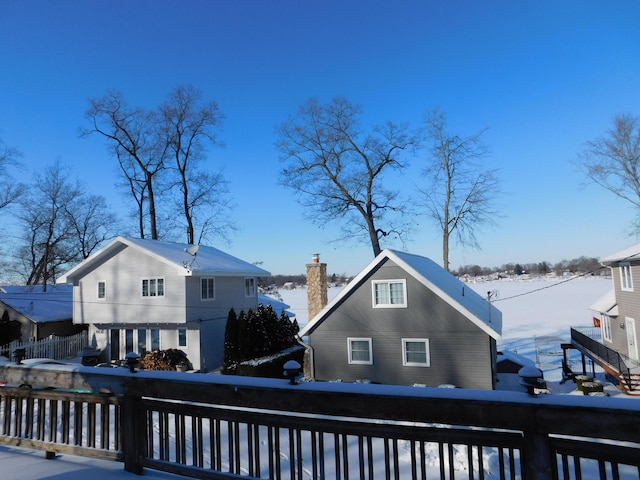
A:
209,426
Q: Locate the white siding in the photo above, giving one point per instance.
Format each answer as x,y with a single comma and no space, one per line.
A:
124,304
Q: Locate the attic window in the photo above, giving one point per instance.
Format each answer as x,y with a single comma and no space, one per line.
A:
102,290
153,287
389,293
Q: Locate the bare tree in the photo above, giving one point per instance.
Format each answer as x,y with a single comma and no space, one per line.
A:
613,160
338,171
460,192
189,125
162,157
91,223
134,136
10,190
61,225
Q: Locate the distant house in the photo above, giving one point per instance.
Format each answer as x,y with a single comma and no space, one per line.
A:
613,344
39,312
143,295
405,320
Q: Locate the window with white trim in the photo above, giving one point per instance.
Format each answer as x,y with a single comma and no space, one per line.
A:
389,293
605,321
360,351
102,290
250,287
153,287
208,288
415,352
626,280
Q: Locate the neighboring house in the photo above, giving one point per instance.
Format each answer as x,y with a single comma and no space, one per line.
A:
39,312
144,295
404,320
614,346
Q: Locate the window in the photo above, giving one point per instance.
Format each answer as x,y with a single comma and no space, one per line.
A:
415,352
182,337
128,340
102,290
360,351
207,288
142,342
249,287
155,339
153,287
389,294
605,321
626,280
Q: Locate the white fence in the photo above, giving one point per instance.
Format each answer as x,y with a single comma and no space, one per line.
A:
57,348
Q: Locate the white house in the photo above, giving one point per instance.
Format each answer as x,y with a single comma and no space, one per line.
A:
143,295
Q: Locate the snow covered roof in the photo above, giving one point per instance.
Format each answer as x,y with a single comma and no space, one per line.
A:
606,304
54,305
207,260
628,254
435,278
277,305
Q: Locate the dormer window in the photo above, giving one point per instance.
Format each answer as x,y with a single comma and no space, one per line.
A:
626,280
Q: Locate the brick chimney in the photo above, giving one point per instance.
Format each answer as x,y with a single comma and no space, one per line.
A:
317,297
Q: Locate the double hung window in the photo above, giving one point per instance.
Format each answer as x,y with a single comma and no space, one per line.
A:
208,288
360,351
626,280
415,352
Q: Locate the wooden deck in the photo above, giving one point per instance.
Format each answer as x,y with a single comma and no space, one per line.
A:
209,426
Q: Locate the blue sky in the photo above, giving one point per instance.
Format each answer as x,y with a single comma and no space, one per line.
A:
543,76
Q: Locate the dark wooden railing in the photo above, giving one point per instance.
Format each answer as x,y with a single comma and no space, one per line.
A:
593,347
209,426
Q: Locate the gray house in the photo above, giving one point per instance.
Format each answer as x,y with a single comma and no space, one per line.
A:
404,320
614,344
144,295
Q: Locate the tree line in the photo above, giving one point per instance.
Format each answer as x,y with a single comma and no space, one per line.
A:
580,265
339,167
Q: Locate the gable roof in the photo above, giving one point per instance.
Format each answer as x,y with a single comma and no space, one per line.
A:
207,261
628,254
30,301
435,278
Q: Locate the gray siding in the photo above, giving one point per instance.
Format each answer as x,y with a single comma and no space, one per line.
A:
229,293
460,352
628,306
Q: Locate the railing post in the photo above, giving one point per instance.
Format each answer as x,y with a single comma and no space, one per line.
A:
131,441
537,456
